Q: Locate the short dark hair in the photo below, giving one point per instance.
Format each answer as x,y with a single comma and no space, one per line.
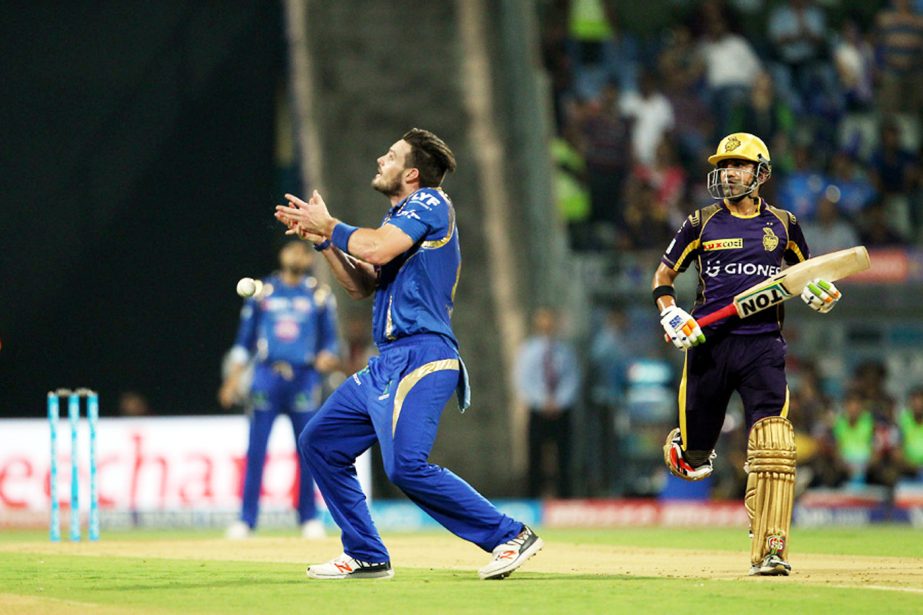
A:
429,155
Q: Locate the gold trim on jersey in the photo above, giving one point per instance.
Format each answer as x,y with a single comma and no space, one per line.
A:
791,245
784,413
389,323
759,210
411,379
455,286
682,257
438,243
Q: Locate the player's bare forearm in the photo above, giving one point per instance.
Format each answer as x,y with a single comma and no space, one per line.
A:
379,246
357,278
664,276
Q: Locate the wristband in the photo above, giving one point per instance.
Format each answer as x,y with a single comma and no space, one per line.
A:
664,290
320,247
341,234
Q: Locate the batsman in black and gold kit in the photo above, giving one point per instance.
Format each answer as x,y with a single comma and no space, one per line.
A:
735,243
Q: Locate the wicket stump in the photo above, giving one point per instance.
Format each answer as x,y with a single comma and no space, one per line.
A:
73,418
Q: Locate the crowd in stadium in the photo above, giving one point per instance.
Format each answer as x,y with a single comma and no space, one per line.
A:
837,97
836,101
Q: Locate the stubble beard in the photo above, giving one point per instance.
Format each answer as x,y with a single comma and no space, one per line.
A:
389,189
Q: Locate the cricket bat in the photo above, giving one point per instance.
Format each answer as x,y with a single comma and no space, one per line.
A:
790,282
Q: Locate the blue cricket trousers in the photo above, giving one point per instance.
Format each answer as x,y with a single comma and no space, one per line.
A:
396,400
295,392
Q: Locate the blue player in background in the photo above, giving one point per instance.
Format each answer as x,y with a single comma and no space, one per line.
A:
411,264
288,332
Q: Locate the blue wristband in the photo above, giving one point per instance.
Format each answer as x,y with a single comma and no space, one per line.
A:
320,247
341,234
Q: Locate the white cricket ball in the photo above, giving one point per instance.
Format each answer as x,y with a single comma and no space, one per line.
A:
247,287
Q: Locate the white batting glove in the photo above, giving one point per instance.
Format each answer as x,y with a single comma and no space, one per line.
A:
821,295
681,328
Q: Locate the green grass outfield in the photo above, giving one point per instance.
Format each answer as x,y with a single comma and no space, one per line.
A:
871,570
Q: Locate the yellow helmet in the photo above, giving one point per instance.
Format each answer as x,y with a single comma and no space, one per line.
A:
741,146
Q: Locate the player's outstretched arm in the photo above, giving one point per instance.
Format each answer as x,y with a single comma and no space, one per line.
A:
310,220
376,246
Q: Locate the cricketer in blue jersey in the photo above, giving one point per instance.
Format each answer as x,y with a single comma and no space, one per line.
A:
735,243
411,263
289,331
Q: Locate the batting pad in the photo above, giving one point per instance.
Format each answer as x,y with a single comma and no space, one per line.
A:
770,486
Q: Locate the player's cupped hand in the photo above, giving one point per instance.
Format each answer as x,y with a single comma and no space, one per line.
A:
310,216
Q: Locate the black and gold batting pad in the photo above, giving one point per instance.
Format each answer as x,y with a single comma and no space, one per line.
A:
770,486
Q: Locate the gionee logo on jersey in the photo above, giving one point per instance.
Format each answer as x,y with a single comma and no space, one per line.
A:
723,244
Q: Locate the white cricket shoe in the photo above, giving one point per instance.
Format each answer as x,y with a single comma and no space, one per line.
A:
313,529
346,567
237,531
508,556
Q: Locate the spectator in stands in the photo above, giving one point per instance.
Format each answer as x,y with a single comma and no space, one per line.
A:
797,32
886,466
599,52
668,179
916,197
854,435
825,466
572,197
647,226
830,231
611,351
869,378
557,61
605,136
610,354
681,68
801,188
899,42
877,230
854,60
848,185
652,117
910,424
731,67
548,382
813,405
764,112
894,172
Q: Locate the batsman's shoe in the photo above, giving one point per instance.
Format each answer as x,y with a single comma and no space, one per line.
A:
508,556
676,462
346,567
771,566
